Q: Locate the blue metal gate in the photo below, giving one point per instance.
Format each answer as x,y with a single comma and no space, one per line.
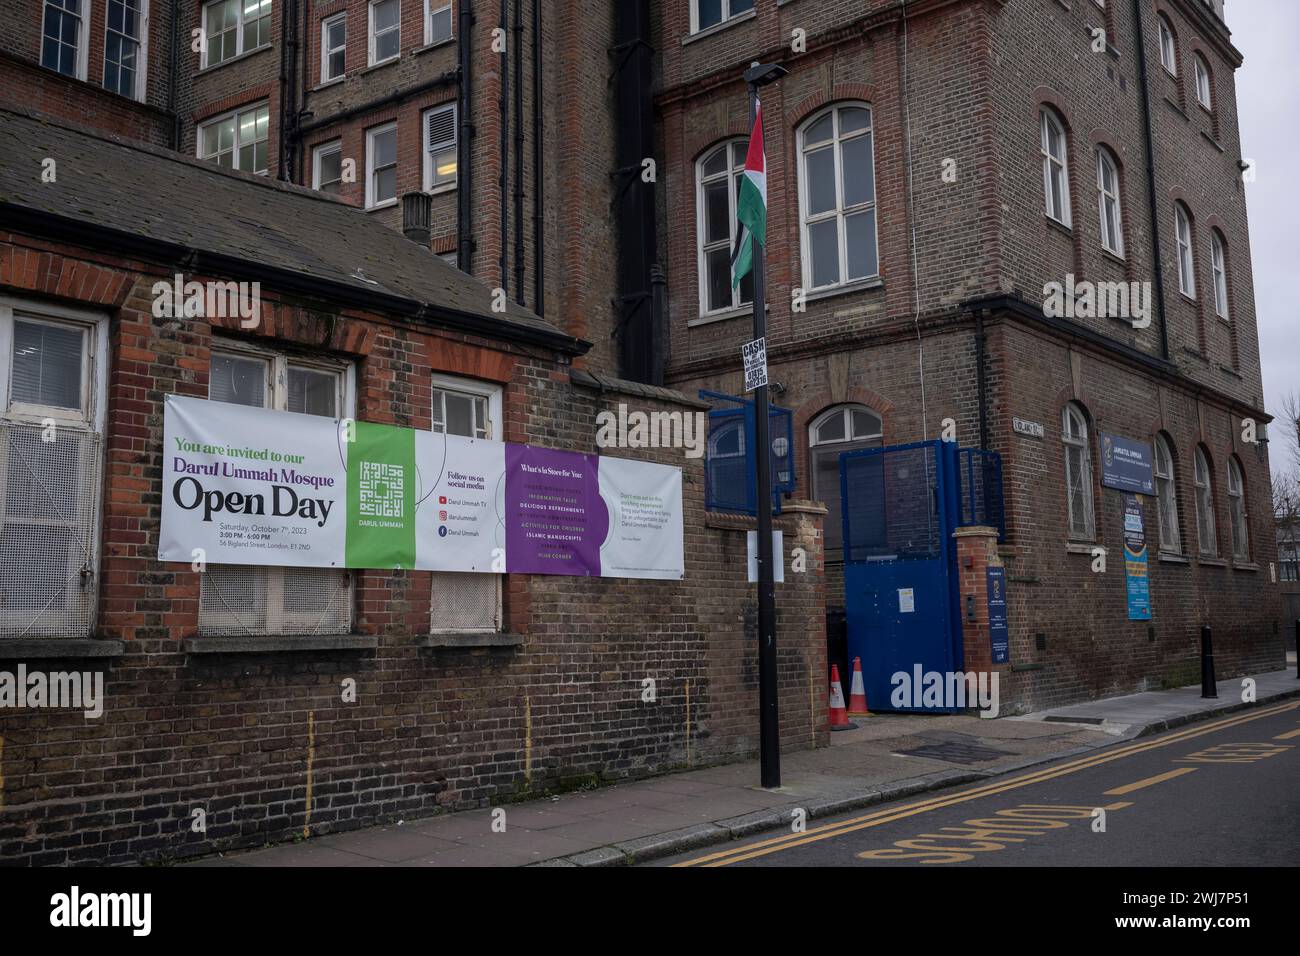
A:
900,507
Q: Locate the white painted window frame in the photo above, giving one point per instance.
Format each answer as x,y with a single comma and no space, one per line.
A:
429,11
1075,435
319,151
208,124
371,36
1049,122
371,134
703,248
1110,198
1219,269
326,49
1185,250
83,45
142,56
426,153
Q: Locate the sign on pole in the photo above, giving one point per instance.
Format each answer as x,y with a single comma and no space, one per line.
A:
755,354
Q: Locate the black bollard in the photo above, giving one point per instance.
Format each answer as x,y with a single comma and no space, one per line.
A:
1208,683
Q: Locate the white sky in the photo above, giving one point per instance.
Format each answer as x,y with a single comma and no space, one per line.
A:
1267,32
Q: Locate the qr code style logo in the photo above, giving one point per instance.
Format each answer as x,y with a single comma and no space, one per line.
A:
381,489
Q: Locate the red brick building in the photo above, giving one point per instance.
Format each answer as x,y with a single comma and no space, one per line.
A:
932,166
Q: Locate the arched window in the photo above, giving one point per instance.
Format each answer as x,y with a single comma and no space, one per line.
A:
1237,511
837,430
1203,477
837,197
1171,539
1183,243
1203,95
1078,472
1219,265
1056,171
717,184
1168,50
1112,228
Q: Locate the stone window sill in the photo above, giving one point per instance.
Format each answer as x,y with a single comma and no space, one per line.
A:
432,46
1212,562
47,648
739,312
1246,566
719,27
280,643
1080,547
234,59
391,61
471,639
848,288
1172,558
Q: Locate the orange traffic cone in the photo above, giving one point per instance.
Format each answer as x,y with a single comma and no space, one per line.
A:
858,692
839,718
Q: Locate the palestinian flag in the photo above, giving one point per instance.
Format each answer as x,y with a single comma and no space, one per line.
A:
751,204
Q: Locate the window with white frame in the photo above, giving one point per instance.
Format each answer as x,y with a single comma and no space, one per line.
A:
1237,512
62,47
125,47
1168,50
385,30
833,432
381,166
1183,244
1203,95
232,27
837,197
327,167
1208,540
709,13
1056,171
718,176
1078,473
1219,265
237,140
245,600
1112,226
333,47
437,21
1171,538
465,601
52,400
440,148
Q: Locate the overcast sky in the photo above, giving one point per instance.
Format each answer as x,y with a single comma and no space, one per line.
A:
1267,32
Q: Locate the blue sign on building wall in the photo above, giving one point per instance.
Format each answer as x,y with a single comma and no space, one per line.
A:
1126,465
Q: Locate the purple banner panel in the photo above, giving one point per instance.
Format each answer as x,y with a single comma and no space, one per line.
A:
555,518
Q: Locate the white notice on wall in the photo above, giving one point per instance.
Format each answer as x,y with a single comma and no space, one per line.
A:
778,557
906,601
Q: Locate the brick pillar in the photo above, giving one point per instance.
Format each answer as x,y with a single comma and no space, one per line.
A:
977,551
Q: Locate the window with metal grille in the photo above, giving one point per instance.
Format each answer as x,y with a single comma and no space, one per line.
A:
840,429
1171,539
51,460
1205,531
245,600
440,148
465,602
1078,473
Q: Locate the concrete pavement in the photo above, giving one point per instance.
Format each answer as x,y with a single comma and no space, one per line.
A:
886,758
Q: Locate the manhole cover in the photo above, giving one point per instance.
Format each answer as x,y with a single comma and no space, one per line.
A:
957,753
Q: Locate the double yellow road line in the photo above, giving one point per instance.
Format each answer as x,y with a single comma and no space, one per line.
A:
888,815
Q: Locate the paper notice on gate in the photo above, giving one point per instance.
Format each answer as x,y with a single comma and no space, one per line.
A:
906,601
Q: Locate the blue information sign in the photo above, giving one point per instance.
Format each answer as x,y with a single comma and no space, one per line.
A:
997,591
1126,465
1135,562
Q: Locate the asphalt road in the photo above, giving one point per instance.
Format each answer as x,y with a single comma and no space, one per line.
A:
1218,793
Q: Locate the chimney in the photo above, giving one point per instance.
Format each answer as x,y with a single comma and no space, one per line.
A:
417,217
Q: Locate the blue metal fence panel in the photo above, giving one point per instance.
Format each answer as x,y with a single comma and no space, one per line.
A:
890,503
979,476
730,482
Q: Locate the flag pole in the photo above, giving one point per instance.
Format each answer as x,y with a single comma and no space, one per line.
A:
769,726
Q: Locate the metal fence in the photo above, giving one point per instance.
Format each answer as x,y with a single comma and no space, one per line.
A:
730,477
891,503
979,482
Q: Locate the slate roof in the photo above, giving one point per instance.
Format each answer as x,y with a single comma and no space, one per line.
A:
194,205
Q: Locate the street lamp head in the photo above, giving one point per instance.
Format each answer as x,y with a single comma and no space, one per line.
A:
761,74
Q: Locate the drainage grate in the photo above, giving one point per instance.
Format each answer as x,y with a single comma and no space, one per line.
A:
956,753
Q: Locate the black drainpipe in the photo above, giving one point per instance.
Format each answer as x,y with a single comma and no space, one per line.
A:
981,359
464,241
175,76
539,299
301,106
505,145
519,151
288,48
1151,176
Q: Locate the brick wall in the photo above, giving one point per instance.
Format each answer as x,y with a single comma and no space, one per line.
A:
430,730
